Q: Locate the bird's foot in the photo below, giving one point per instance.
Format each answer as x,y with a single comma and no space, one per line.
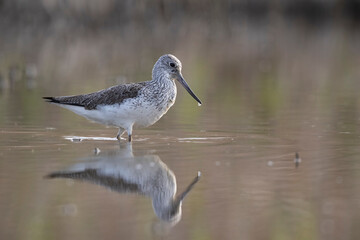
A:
120,132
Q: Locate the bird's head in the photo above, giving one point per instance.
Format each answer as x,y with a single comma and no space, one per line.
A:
169,66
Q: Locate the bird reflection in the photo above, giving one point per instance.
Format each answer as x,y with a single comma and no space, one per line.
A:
123,172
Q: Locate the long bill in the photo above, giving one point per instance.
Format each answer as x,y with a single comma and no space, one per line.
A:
186,86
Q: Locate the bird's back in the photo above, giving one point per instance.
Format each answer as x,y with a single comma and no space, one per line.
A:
113,95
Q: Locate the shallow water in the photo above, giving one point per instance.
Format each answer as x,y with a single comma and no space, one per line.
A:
243,139
250,186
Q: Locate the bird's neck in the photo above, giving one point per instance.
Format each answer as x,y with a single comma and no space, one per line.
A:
162,80
163,88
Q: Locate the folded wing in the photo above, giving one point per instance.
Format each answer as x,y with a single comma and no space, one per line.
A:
113,95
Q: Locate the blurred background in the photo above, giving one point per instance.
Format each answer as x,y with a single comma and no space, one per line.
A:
276,77
250,52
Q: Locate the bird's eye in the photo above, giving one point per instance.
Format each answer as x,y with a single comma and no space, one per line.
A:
172,64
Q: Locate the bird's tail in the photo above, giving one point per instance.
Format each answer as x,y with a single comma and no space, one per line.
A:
51,99
68,100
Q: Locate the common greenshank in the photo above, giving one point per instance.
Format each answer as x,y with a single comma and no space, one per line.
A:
134,104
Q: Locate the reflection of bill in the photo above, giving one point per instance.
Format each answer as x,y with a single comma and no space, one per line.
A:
123,172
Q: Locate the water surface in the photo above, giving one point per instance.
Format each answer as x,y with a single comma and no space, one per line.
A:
263,102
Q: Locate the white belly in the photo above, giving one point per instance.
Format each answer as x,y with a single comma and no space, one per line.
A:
131,112
142,115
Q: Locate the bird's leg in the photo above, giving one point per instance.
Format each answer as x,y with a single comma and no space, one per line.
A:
120,132
129,131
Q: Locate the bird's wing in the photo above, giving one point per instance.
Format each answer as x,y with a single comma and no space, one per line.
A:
109,96
92,175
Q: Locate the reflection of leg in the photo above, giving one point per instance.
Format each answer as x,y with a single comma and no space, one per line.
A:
120,132
129,148
126,149
126,146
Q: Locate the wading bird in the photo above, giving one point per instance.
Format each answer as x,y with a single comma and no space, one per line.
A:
134,104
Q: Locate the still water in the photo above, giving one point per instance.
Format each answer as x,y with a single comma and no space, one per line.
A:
63,177
250,185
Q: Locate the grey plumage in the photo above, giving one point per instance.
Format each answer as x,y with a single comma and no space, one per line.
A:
113,95
134,104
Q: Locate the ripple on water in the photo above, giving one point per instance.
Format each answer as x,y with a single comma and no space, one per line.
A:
201,139
80,139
